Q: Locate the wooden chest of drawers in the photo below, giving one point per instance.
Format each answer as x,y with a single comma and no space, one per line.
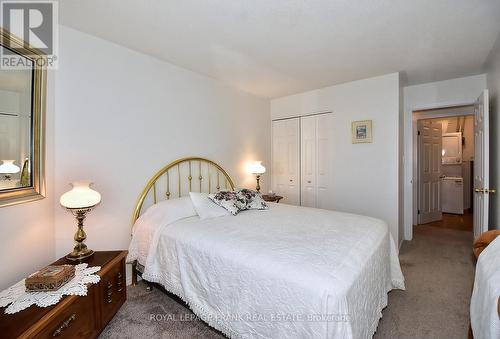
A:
73,316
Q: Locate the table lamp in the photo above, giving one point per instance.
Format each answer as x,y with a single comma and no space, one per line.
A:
80,200
257,169
7,168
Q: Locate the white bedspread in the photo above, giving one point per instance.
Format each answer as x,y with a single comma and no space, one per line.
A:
485,321
287,272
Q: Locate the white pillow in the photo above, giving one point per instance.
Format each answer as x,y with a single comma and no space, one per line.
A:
205,207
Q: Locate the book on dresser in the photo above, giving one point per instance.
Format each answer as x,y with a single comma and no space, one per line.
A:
74,316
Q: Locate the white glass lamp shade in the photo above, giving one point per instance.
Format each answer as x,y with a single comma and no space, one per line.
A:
8,167
257,168
81,196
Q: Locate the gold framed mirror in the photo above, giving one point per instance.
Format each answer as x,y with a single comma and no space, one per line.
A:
23,78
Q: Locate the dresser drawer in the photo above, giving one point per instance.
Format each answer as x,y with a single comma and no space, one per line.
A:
113,291
76,320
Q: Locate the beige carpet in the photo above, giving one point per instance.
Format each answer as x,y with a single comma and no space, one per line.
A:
438,268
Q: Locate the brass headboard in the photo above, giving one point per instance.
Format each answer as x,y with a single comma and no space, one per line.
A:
181,177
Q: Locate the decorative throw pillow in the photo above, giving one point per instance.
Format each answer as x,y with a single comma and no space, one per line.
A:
228,200
251,200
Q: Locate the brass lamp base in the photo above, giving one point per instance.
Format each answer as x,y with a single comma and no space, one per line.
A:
77,255
258,183
80,251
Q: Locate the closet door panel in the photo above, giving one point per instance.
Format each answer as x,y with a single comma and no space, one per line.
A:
285,166
308,161
293,168
324,152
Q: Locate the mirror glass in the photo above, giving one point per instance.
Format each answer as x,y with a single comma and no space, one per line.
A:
16,127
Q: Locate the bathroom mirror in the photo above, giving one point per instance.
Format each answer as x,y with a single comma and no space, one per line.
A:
22,108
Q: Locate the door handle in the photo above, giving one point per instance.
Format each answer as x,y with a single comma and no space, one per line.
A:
485,190
442,176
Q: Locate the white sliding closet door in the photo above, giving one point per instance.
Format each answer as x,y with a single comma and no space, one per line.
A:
308,161
324,161
316,160
285,164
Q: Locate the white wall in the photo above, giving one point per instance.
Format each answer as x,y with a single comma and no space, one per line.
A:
122,115
116,116
27,240
494,87
461,91
365,175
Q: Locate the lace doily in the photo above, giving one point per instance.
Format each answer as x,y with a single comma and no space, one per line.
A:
19,299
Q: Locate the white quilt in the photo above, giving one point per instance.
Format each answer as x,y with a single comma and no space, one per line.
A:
287,272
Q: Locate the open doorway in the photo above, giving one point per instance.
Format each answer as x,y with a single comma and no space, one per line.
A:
444,167
429,156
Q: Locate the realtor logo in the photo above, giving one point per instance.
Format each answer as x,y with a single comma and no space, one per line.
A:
34,22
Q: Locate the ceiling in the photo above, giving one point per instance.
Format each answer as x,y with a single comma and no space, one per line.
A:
273,48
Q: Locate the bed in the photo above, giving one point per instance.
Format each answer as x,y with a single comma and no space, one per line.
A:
285,272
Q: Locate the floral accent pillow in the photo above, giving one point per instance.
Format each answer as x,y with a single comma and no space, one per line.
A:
227,200
251,200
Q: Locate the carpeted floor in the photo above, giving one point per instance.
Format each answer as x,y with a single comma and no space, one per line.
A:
438,268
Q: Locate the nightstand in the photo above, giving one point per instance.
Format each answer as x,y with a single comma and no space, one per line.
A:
272,198
74,316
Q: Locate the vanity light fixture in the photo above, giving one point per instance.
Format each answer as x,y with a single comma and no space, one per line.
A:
257,169
7,168
80,200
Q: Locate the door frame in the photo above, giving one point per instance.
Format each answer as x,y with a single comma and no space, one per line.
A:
411,171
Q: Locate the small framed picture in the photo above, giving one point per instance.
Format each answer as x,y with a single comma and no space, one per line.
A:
362,132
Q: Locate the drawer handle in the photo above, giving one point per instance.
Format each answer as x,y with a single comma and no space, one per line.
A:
109,298
64,325
119,282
